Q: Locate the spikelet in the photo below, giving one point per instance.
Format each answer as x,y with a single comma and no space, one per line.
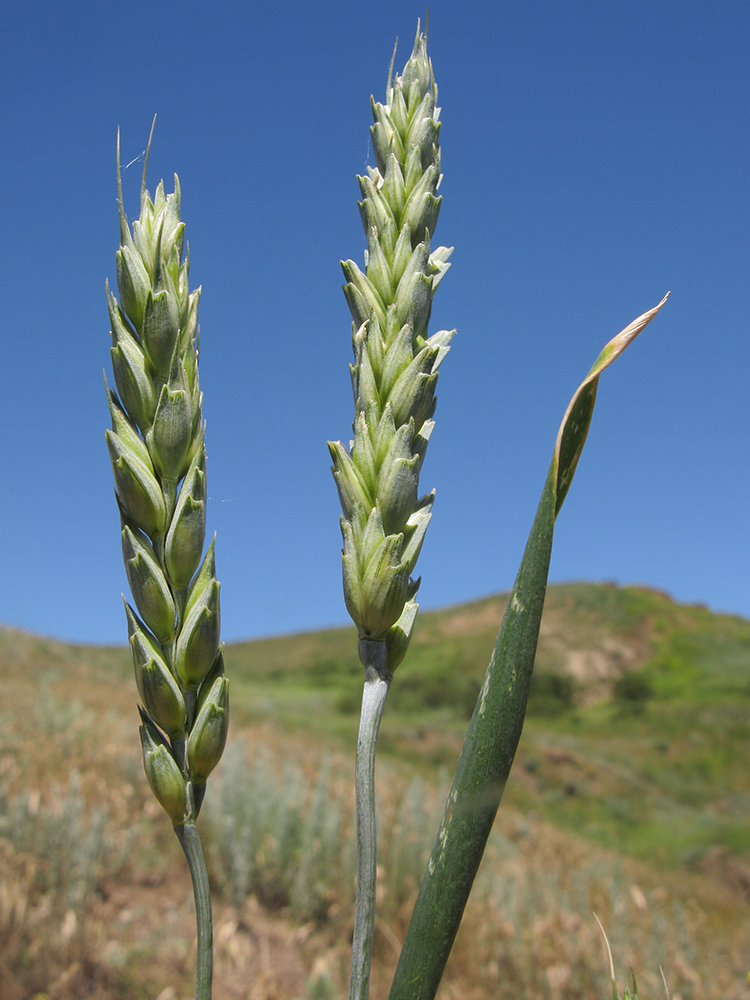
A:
158,455
396,363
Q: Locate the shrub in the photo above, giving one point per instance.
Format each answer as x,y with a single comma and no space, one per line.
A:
551,694
632,689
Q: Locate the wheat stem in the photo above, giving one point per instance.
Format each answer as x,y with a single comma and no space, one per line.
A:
188,836
373,702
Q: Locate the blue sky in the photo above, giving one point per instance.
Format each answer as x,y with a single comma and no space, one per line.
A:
595,155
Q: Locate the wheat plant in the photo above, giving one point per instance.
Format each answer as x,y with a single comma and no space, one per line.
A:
384,520
157,449
158,455
394,377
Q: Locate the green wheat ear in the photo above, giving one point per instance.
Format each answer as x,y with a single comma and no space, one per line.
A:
395,368
159,462
394,377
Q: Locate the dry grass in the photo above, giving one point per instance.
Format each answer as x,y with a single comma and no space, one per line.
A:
95,901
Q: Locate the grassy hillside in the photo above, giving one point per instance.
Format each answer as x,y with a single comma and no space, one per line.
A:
637,733
630,795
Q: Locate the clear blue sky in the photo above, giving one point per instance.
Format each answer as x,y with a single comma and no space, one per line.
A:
595,155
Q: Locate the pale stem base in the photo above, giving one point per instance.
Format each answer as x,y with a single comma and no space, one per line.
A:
373,702
204,968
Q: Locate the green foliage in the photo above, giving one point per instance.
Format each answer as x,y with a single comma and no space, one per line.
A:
628,993
551,694
440,689
632,690
634,687
651,784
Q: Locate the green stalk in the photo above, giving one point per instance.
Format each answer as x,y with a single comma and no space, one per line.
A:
187,834
495,727
373,702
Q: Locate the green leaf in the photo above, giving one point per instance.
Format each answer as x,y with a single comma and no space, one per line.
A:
495,727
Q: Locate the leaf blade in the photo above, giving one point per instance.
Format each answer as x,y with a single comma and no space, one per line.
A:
495,728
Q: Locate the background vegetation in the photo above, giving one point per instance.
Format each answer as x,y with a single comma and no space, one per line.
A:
629,796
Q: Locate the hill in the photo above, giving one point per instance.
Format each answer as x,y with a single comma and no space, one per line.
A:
630,795
637,717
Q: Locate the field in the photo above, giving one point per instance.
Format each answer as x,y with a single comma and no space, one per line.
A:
629,797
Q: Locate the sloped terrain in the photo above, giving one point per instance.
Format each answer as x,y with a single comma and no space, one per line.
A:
630,796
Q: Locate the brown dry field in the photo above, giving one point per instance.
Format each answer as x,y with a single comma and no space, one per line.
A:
134,937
